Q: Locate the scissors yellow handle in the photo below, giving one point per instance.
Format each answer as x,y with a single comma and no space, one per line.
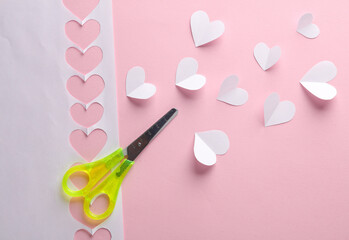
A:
118,163
95,172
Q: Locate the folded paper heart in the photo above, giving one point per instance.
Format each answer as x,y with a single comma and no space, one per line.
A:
100,234
85,91
82,35
88,146
135,85
86,117
80,8
208,144
306,27
203,30
276,112
315,80
229,93
266,57
84,62
186,75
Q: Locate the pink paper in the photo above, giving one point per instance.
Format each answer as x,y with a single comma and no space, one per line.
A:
283,182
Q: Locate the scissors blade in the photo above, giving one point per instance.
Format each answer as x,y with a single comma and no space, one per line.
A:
137,146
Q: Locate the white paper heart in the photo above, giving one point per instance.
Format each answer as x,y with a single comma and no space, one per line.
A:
315,80
187,77
276,112
266,57
135,85
306,27
208,144
229,93
203,30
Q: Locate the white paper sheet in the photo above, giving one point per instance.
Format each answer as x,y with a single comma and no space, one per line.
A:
208,144
306,27
266,57
186,75
36,123
276,112
315,80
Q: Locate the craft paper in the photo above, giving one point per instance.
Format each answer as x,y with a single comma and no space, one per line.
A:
306,27
266,57
230,93
208,144
203,30
135,85
35,148
276,112
187,77
315,80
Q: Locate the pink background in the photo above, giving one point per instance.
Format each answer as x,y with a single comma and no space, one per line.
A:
288,181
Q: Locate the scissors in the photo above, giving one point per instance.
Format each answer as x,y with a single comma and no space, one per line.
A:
119,162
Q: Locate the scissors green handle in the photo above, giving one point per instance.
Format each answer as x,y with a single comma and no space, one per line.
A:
118,163
95,172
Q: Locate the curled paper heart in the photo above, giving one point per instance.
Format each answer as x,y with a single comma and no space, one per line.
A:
135,85
203,30
84,62
82,35
306,27
208,144
88,146
100,234
186,75
266,57
315,80
85,91
87,117
276,112
229,93
81,8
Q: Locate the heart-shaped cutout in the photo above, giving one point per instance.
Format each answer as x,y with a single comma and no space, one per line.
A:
87,117
203,30
266,57
276,112
135,85
80,8
230,93
315,80
84,62
85,91
88,146
208,144
76,208
100,234
82,35
306,27
186,75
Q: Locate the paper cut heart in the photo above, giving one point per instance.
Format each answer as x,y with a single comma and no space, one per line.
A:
82,35
187,77
229,93
208,144
265,56
77,211
84,62
135,85
85,91
203,30
306,27
276,112
100,234
88,146
315,80
80,8
86,117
